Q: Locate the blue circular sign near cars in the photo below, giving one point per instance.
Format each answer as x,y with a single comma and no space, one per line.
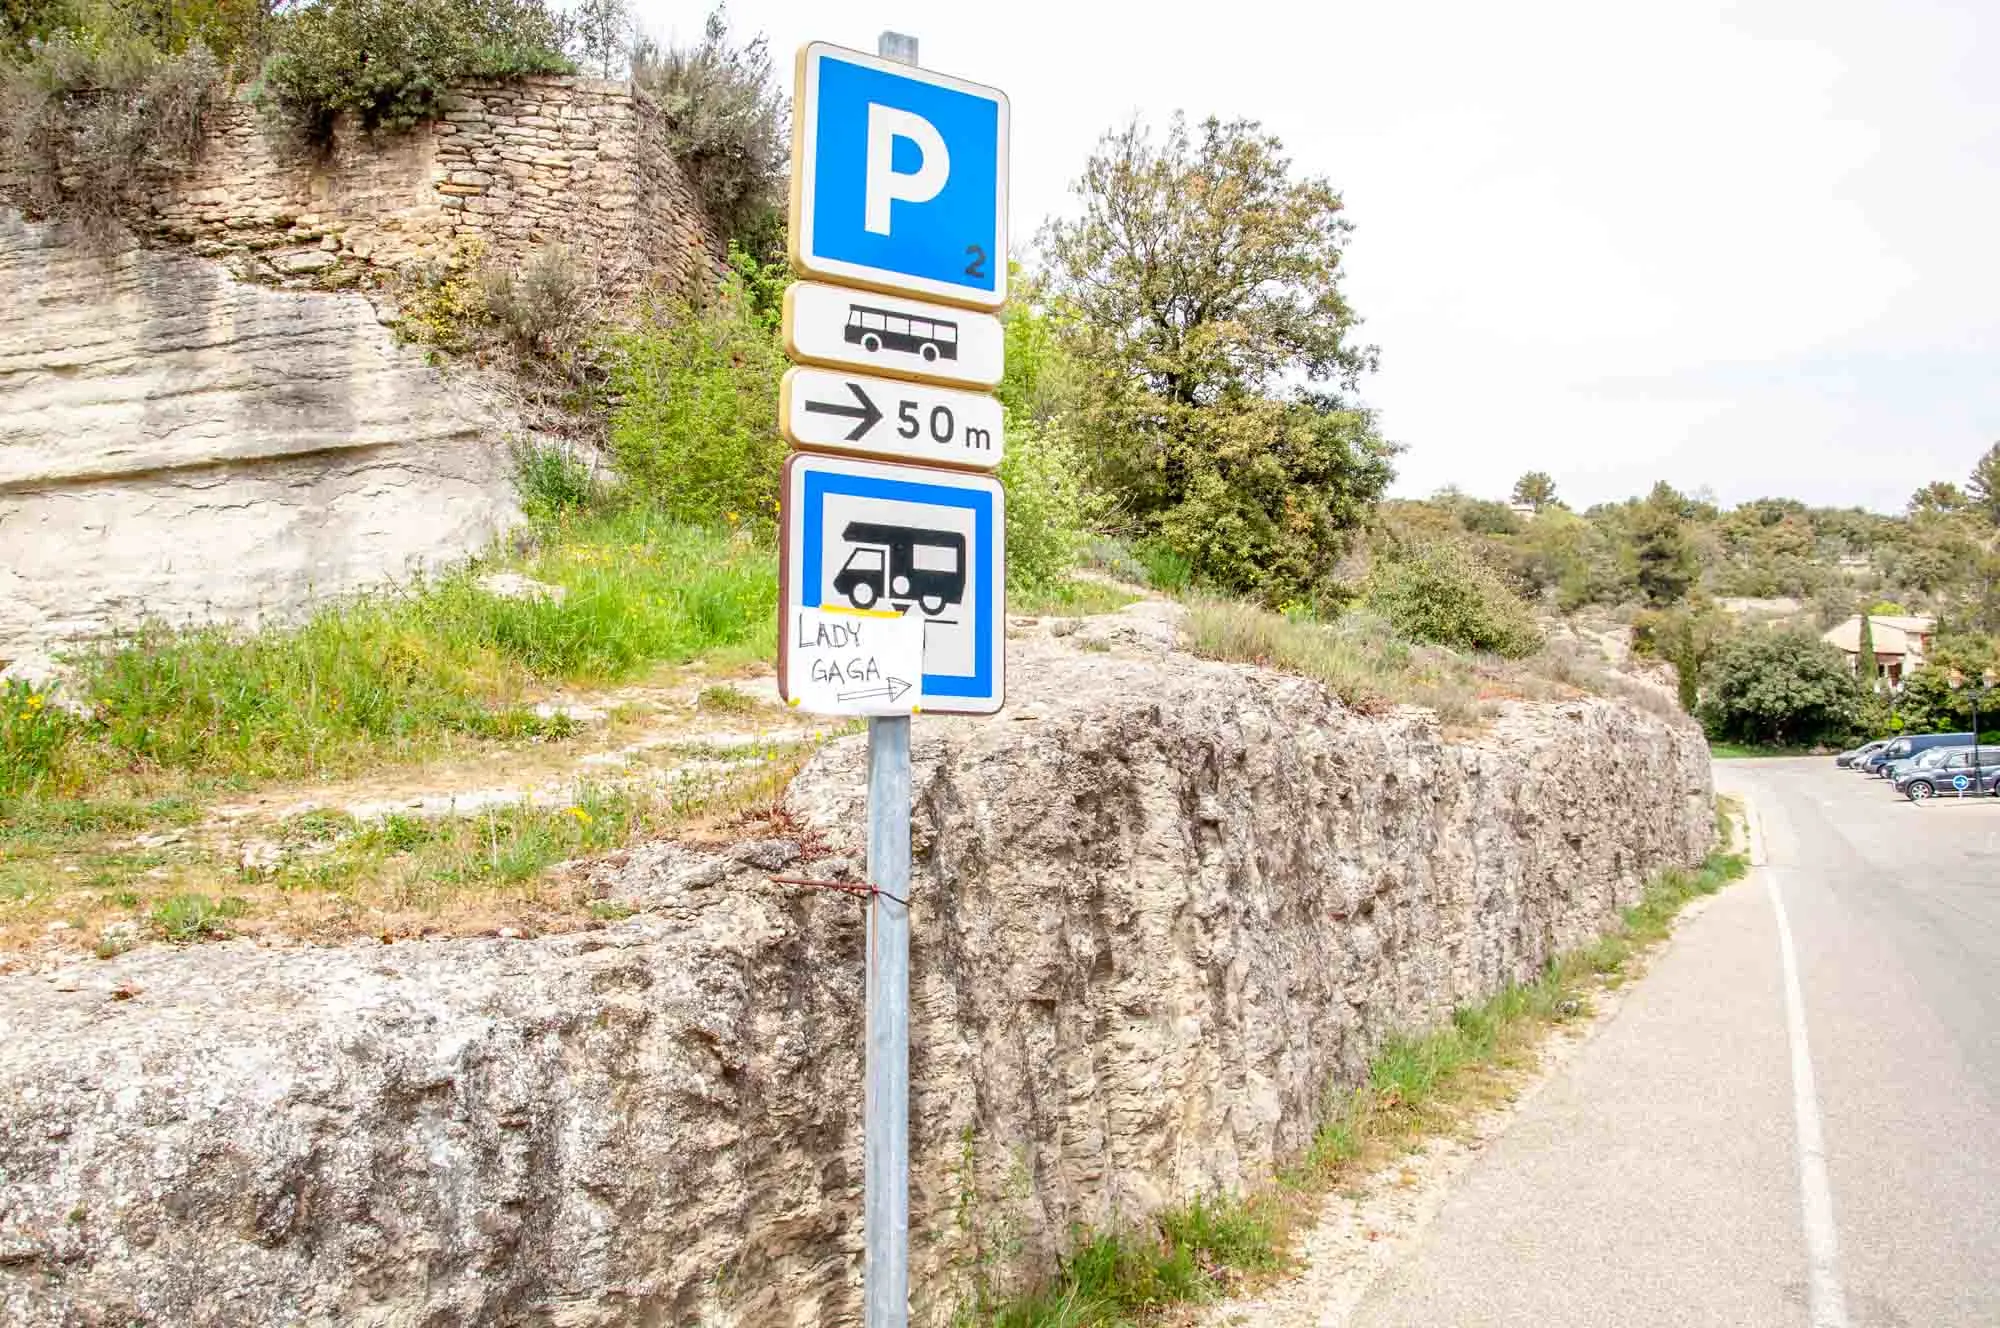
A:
1961,783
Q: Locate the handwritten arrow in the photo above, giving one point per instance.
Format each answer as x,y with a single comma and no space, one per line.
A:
892,692
866,412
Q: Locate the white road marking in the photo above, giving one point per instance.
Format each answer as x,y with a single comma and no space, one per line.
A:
1826,1304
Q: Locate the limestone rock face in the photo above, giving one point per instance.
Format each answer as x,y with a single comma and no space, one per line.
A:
180,445
1161,906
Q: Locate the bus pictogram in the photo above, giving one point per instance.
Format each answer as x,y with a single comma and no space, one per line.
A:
882,329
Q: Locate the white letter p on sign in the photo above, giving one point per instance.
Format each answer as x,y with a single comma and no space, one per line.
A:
886,124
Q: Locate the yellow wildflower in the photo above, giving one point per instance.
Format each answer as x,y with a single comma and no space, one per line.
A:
582,816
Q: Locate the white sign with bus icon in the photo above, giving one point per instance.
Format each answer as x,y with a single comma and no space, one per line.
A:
892,335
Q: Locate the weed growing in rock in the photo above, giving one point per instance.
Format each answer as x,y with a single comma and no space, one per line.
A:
193,917
34,734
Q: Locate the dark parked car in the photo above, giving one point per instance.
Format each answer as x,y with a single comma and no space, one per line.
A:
1861,753
1954,777
1909,745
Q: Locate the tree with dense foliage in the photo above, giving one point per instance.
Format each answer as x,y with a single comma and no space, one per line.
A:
1686,637
1865,654
1984,486
1938,498
1929,703
390,62
1666,564
1780,688
1537,489
1200,288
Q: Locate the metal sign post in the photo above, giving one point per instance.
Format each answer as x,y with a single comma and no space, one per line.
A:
892,560
885,1201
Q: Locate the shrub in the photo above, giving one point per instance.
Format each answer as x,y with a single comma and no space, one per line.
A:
192,917
694,433
545,312
389,62
442,303
1438,592
553,482
726,123
1050,508
82,121
1779,688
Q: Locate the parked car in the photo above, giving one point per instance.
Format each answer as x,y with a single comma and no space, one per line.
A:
1861,753
1928,759
1909,745
1956,776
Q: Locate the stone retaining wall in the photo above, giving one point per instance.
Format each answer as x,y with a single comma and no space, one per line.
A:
513,167
1159,909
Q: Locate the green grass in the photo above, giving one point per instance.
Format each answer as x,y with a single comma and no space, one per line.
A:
1418,1084
1188,1254
1358,657
1743,751
1069,599
56,821
193,917
394,677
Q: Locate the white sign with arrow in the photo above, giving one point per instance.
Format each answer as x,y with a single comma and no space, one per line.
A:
888,334
831,411
854,661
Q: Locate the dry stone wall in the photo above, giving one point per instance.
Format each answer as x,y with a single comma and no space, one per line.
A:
512,168
1161,906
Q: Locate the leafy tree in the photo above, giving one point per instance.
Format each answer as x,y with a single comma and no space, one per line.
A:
599,34
695,431
1666,564
1484,517
1938,498
1686,637
1865,659
1536,488
727,126
1780,688
1984,486
1929,703
1200,287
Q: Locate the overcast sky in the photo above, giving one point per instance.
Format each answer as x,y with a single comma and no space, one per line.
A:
1753,247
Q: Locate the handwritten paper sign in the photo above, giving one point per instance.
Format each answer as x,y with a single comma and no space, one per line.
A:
855,662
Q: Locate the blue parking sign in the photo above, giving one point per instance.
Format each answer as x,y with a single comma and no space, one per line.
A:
899,178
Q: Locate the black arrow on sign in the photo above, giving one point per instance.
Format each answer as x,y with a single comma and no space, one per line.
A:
893,692
866,412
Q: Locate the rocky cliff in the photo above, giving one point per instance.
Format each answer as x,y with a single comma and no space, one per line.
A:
177,443
1161,906
180,445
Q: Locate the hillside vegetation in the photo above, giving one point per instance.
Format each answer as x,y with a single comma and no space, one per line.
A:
1184,418
1736,598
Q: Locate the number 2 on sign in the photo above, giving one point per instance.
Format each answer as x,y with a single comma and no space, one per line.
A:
976,269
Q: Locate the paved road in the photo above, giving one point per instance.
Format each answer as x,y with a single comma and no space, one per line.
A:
1659,1179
